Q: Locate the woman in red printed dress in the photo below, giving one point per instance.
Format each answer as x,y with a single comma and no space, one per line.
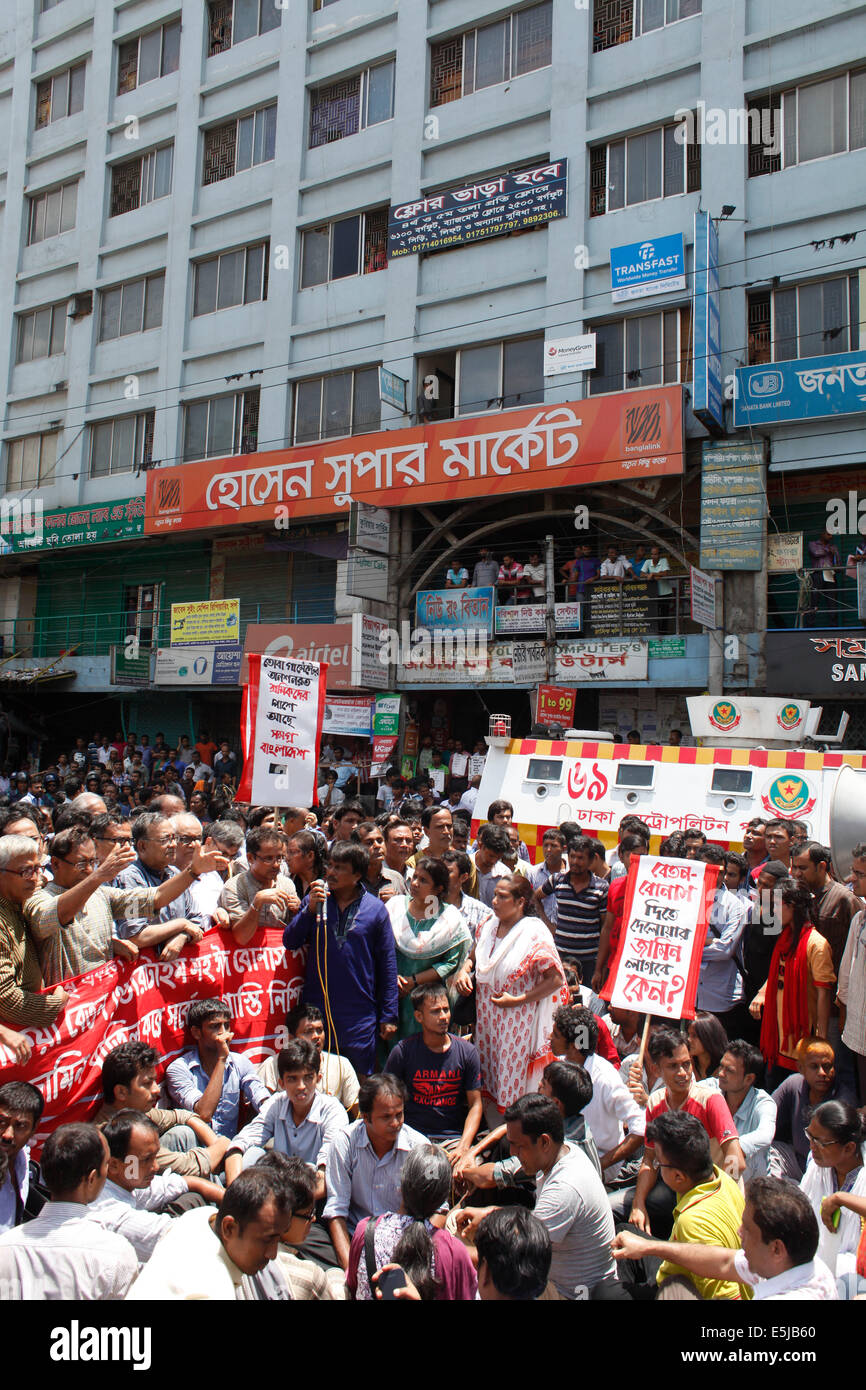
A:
519,983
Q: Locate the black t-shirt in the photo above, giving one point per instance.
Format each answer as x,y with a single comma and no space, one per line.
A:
437,1083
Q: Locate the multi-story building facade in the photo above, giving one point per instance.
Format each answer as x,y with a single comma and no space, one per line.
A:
202,260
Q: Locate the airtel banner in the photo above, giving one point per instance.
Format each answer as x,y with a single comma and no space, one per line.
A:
328,643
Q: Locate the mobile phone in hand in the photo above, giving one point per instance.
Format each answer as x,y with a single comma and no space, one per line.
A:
389,1280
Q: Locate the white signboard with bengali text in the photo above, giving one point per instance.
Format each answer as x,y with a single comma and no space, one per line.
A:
281,724
531,617
665,913
368,646
600,660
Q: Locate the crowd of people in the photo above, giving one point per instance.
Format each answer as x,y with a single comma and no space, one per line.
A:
457,1112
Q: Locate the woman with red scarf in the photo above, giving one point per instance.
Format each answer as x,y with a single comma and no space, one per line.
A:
797,995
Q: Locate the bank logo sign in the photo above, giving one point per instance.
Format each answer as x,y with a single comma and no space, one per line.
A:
807,388
643,268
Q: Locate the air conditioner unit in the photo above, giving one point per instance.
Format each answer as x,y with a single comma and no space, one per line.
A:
81,304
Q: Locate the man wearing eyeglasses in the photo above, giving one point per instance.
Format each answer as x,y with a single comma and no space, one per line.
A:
155,841
21,1005
72,919
112,828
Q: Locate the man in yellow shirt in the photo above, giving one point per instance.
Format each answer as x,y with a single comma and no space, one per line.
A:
709,1209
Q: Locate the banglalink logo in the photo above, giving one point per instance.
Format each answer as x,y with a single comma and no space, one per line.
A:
788,796
724,716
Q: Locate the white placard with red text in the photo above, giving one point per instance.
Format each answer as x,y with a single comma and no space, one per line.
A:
281,724
658,957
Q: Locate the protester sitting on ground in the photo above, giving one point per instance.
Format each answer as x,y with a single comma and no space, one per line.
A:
837,1139
66,1253
210,1079
514,1255
301,1121
741,1074
707,1043
441,1073
571,1201
777,1258
337,1076
262,895
616,1121
226,1254
653,1206
21,1107
437,1264
815,1081
129,1082
363,1164
137,1202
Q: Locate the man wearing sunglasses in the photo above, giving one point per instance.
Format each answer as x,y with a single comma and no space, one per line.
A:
21,1004
72,919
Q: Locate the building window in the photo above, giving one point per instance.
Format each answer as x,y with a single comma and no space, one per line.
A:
500,376
45,5
131,308
232,278
30,461
808,122
491,54
642,350
640,168
330,406
52,213
351,105
221,426
121,445
41,333
232,21
619,21
59,96
351,246
141,180
817,319
148,56
239,145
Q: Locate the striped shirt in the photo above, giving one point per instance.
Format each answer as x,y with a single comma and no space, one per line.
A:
66,1253
579,916
20,974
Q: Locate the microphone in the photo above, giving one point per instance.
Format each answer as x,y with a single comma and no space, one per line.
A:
320,910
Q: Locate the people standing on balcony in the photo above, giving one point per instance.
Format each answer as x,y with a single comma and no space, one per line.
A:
579,572
457,577
486,571
638,561
615,565
508,581
824,595
657,568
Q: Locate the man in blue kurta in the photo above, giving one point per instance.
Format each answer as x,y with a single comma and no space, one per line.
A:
351,962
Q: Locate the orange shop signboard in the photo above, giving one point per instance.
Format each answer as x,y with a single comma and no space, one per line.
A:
632,434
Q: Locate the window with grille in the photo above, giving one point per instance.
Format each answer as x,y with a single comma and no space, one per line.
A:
51,213
239,145
221,426
350,246
41,333
121,445
60,96
642,350
30,461
351,105
640,168
232,21
232,278
148,56
500,376
327,407
141,180
493,53
808,122
620,21
133,307
815,319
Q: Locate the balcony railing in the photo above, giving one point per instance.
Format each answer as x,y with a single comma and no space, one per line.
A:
95,633
805,599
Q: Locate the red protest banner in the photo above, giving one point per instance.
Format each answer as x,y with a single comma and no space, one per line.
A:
149,999
658,957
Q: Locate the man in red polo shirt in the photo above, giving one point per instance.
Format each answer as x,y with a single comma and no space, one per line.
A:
653,1200
630,847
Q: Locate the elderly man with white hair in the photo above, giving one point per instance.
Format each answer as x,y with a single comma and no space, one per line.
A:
21,1004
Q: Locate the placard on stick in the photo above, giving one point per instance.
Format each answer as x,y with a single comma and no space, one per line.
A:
281,724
